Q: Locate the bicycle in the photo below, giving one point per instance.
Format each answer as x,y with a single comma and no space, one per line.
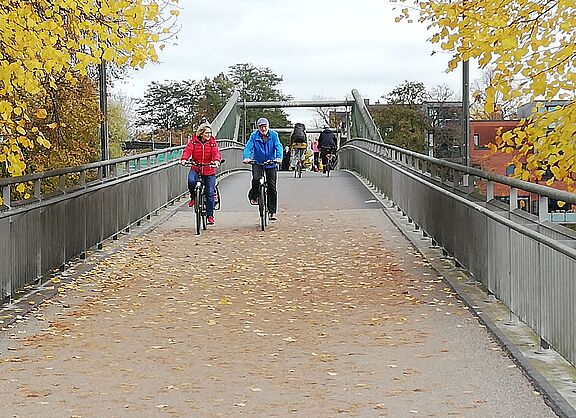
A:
200,197
331,161
263,194
299,154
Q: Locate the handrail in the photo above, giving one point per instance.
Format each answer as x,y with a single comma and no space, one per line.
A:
538,189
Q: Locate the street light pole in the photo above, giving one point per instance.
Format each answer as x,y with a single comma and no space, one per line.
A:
466,110
103,114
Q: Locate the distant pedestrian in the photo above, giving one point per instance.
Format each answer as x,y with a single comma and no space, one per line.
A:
286,159
316,152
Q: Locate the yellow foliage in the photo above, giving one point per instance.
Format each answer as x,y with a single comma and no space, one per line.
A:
46,41
531,45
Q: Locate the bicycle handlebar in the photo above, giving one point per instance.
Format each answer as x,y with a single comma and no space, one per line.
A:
190,163
267,162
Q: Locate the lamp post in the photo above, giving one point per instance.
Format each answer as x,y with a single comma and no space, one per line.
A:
466,110
103,114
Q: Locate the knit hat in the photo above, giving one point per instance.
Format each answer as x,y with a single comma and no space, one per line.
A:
202,128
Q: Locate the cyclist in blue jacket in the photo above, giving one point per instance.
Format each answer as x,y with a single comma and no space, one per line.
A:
264,145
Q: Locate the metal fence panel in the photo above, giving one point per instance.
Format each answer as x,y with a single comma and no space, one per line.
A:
75,222
125,200
558,312
525,279
110,212
25,248
477,257
53,241
6,259
94,214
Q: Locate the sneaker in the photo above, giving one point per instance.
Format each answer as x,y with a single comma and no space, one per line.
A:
191,203
210,220
253,201
273,217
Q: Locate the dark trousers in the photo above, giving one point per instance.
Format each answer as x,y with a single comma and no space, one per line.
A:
257,172
209,189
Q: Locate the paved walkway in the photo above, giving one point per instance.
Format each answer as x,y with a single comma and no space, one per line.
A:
330,312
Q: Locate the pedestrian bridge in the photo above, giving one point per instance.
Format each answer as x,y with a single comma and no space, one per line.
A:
330,311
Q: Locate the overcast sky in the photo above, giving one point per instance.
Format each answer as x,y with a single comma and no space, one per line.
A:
319,47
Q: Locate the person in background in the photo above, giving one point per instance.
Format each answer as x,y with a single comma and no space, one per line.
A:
202,148
326,145
263,146
286,159
298,143
316,152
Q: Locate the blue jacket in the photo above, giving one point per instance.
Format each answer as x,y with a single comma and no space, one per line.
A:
258,150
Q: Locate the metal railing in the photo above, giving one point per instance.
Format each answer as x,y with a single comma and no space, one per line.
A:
526,261
363,125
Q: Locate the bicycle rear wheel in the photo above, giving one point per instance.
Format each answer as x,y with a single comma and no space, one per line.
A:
198,209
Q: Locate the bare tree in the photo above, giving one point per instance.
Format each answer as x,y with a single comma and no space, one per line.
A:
505,109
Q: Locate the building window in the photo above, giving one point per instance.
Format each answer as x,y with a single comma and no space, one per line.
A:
476,140
510,169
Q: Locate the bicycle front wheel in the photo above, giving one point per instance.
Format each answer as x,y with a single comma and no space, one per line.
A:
204,219
198,209
263,207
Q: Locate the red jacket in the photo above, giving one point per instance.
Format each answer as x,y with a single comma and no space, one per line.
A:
202,153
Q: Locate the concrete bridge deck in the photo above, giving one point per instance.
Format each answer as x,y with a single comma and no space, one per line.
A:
330,312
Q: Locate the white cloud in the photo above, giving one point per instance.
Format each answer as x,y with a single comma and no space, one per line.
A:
320,48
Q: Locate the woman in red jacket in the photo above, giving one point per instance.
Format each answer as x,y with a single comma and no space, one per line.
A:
203,149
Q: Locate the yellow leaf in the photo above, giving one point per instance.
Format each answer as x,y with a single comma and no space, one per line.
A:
224,301
41,113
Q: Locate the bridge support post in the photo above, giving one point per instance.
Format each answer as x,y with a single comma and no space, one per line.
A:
490,298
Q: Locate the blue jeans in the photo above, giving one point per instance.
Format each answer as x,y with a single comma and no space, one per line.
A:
297,154
209,189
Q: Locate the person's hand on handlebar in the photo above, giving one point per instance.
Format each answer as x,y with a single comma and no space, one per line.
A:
184,162
246,161
278,161
216,163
